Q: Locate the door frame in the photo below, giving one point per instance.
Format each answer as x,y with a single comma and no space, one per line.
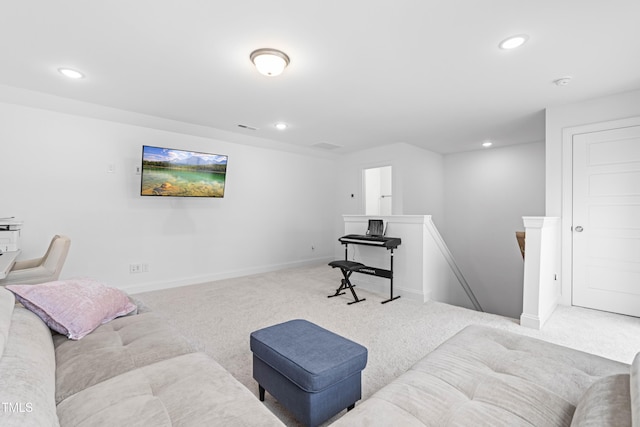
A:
363,185
566,254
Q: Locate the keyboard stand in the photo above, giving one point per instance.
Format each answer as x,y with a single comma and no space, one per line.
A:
364,269
379,272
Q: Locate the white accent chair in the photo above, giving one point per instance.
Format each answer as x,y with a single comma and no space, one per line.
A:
41,270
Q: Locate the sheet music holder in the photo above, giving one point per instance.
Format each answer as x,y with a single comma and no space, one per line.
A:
375,228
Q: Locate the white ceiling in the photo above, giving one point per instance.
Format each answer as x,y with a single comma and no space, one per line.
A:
363,73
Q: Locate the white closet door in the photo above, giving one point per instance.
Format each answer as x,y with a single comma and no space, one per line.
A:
606,220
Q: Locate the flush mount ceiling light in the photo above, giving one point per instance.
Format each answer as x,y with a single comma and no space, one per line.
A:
72,74
270,62
487,144
513,42
281,126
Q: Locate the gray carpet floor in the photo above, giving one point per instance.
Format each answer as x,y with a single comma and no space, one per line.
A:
219,316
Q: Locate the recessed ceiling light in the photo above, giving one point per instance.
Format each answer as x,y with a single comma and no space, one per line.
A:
563,81
72,74
281,126
514,41
487,144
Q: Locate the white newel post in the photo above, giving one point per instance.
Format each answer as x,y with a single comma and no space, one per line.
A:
542,288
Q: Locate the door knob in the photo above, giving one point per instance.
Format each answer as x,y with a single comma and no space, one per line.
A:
579,229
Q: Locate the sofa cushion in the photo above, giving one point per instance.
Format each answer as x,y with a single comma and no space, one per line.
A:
7,302
606,403
119,346
27,373
485,376
188,390
634,386
73,307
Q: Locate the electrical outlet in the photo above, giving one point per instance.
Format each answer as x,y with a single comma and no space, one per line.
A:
135,268
145,267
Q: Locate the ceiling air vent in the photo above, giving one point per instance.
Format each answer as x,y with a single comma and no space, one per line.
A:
247,127
326,146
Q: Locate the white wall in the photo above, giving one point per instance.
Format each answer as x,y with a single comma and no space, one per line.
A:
614,107
54,168
417,181
559,120
487,192
422,182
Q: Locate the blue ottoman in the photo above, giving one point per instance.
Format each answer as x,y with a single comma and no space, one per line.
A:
311,371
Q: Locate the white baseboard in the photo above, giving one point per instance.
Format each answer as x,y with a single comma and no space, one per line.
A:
195,280
537,322
530,321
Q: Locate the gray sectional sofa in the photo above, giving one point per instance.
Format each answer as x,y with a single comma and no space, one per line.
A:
133,371
138,371
488,377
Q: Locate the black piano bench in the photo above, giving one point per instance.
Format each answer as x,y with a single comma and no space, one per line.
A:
347,268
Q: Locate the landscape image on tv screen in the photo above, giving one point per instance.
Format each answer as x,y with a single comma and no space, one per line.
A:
180,173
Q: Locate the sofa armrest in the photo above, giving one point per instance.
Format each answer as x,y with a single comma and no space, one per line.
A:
27,374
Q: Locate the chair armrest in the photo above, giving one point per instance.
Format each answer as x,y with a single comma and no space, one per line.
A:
27,263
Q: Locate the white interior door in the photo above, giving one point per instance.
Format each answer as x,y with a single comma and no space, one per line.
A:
606,220
378,196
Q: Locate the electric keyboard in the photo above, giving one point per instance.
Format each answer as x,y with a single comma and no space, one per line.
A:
389,243
362,239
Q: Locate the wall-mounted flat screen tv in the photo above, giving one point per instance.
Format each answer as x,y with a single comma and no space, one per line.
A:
181,173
